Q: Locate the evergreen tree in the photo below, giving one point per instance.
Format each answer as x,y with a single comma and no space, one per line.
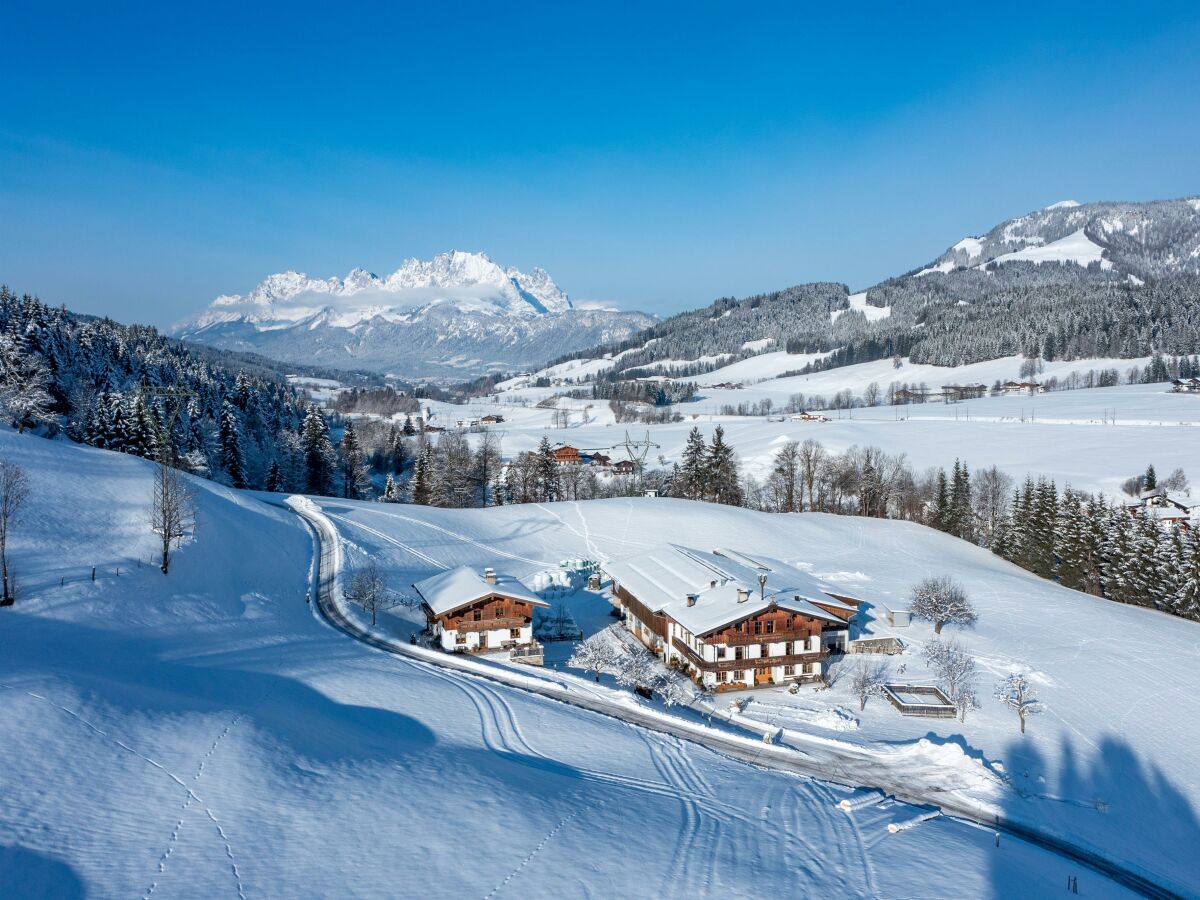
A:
318,452
941,519
692,471
391,491
353,467
961,517
723,484
546,471
229,441
421,488
1150,479
274,478
1187,598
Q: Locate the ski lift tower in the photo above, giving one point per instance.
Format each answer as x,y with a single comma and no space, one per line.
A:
637,452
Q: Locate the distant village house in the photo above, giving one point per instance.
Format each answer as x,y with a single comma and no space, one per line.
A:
472,613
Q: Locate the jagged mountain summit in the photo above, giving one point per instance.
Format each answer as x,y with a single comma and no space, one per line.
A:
1143,240
456,315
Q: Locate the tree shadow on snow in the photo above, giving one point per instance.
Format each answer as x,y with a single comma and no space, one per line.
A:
1110,801
32,875
139,676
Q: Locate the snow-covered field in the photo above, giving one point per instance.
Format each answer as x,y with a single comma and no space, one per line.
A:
1091,439
203,734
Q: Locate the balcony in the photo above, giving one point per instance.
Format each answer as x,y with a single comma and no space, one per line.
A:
489,624
732,665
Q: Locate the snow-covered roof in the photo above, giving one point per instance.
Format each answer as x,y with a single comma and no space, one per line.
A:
455,588
662,579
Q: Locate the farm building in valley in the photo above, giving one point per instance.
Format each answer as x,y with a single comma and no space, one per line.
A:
472,613
730,620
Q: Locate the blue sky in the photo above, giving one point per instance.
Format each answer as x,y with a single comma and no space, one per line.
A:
656,157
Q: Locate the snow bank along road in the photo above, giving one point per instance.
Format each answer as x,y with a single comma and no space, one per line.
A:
827,761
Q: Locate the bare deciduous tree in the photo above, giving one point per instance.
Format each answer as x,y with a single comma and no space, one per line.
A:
14,489
1015,692
369,589
956,674
867,678
943,602
172,511
597,654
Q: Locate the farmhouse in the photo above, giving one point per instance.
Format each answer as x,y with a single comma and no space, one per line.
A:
471,613
1185,385
1158,504
1020,387
566,455
953,393
624,467
729,620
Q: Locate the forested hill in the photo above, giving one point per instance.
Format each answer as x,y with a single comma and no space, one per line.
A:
106,384
1070,281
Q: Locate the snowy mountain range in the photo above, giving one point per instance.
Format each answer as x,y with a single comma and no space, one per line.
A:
456,315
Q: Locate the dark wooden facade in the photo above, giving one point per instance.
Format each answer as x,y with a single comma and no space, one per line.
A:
492,612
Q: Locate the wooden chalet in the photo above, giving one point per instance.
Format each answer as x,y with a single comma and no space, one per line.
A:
1020,387
566,455
1185,385
624,467
729,620
472,613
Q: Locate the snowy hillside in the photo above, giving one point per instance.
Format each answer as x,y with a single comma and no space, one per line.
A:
1111,762
203,734
457,314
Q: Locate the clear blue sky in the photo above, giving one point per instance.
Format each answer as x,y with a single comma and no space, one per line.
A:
154,156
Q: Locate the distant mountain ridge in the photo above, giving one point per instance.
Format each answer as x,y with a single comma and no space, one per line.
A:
1069,280
457,315
1157,239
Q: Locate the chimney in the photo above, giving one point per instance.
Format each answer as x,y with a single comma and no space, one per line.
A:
489,575
691,598
743,595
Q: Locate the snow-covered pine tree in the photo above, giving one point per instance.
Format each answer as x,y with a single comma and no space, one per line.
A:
961,520
721,472
1167,579
421,487
229,441
319,457
1117,567
547,471
353,465
274,478
1187,598
391,491
691,482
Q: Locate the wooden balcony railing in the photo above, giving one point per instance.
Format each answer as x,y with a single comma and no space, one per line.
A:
490,624
731,665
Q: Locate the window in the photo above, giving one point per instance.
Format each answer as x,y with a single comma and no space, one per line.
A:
514,633
460,639
739,652
478,615
722,676
789,670
769,626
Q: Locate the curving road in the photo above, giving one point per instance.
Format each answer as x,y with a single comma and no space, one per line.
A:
840,765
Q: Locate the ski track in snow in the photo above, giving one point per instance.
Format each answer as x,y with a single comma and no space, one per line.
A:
391,540
458,537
